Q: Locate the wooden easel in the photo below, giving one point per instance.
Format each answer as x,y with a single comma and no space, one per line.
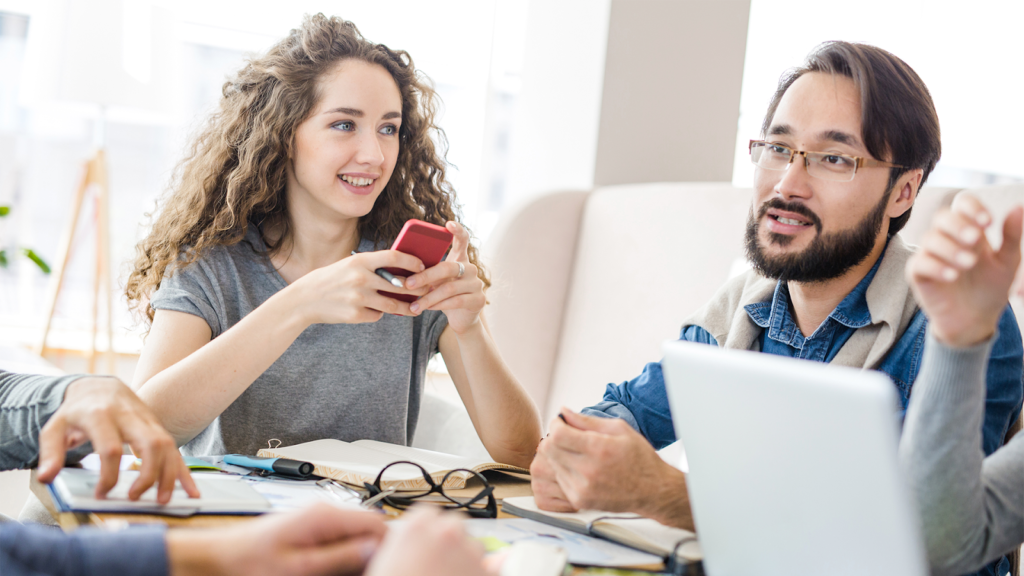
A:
94,179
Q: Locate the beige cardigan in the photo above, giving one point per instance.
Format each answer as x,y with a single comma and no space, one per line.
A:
890,302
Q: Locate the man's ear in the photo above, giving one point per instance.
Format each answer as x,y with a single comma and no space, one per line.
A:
905,193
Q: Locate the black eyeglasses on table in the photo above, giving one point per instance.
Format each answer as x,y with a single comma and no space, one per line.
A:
483,505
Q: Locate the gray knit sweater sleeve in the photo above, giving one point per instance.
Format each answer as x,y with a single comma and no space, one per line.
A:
972,507
26,403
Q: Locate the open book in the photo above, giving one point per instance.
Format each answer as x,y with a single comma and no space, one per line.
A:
627,529
74,490
361,461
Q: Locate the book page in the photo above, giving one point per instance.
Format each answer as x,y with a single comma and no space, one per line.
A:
352,458
439,460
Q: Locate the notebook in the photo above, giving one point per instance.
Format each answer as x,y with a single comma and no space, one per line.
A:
74,490
361,461
627,529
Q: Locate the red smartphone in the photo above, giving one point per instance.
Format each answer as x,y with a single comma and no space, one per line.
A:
426,241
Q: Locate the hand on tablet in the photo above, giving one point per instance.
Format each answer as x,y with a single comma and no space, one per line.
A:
106,412
960,281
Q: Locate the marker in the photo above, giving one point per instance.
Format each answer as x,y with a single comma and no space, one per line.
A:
394,280
278,465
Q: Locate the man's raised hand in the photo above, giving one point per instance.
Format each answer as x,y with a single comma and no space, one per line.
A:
960,281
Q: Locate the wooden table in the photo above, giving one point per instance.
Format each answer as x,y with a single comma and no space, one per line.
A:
504,487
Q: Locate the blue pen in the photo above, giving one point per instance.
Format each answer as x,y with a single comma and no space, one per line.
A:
278,465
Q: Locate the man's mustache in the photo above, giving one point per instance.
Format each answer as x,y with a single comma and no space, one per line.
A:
794,207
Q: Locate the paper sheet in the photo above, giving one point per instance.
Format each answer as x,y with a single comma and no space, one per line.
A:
582,550
293,494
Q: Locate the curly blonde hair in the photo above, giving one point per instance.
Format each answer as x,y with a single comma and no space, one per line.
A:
234,174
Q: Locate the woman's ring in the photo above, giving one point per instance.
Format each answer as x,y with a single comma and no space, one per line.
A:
462,269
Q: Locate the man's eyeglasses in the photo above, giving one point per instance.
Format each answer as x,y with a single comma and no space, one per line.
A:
822,165
483,505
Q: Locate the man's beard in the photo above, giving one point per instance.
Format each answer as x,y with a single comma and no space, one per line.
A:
828,256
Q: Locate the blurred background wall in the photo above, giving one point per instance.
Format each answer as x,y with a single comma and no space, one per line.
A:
539,95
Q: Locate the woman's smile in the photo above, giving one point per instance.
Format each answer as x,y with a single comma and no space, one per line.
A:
361,184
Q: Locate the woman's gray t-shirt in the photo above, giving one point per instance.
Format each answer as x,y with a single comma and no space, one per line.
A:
342,381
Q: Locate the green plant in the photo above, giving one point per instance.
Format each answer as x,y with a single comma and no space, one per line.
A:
27,252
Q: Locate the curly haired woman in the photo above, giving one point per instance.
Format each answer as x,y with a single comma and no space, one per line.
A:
263,324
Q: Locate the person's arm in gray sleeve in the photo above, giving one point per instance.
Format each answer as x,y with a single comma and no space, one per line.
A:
35,551
972,508
26,403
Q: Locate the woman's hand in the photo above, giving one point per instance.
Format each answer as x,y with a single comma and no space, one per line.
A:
959,280
346,292
453,285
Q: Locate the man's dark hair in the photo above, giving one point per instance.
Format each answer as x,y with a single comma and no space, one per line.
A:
898,117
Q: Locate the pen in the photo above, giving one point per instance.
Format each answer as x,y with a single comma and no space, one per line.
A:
394,280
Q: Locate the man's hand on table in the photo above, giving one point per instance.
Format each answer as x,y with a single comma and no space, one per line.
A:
602,464
106,412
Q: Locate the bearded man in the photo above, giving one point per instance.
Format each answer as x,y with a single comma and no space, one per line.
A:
848,139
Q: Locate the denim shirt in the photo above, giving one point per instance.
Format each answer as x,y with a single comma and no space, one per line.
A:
643,403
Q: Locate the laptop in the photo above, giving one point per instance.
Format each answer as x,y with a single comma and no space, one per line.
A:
793,466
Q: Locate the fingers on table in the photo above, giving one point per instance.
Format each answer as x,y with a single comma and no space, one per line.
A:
161,463
52,449
107,442
185,477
